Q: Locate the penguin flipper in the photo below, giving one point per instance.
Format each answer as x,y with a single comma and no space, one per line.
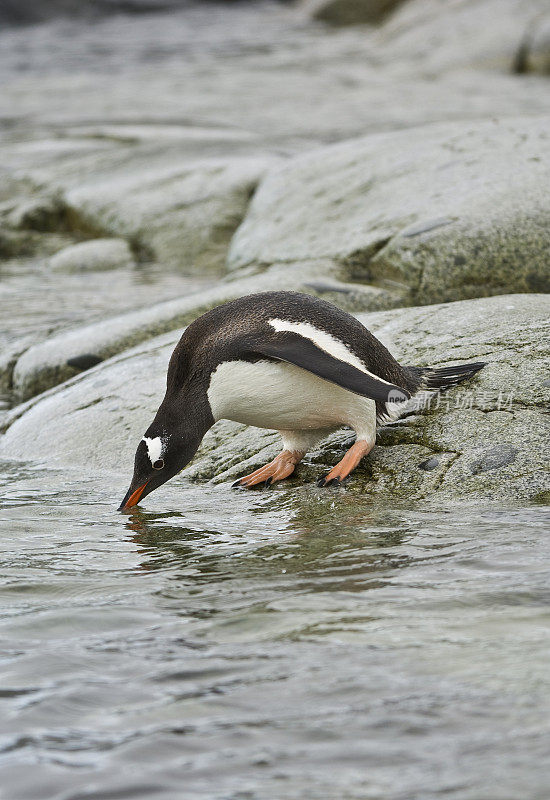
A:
302,352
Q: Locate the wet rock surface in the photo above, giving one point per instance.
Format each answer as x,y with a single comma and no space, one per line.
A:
485,439
447,212
39,307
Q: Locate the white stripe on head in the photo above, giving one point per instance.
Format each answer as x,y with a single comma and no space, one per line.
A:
155,448
324,341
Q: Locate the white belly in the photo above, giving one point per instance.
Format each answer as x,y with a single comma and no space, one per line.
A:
283,397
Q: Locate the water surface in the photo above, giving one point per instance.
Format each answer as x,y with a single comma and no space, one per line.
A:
297,644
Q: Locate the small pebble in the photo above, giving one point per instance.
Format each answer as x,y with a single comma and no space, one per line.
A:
85,361
496,458
430,463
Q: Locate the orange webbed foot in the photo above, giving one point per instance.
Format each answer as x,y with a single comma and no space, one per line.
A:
277,470
344,467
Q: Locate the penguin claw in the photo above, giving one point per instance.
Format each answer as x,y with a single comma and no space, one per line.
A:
269,481
324,483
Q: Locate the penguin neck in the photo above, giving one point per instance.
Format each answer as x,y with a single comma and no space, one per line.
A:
187,416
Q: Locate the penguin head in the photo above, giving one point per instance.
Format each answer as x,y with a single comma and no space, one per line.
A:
159,456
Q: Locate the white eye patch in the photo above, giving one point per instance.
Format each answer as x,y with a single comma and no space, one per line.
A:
155,448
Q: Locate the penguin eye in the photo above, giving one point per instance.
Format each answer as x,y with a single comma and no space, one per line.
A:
158,464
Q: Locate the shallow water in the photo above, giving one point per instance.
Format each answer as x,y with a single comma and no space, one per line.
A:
297,644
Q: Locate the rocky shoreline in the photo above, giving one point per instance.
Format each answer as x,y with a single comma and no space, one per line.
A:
327,160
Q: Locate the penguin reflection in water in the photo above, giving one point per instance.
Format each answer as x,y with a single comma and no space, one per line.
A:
283,361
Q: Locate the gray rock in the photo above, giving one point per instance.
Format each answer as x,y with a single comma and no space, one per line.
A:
429,464
84,361
498,421
15,244
182,215
487,35
439,213
175,193
161,157
64,355
350,12
46,213
495,458
96,254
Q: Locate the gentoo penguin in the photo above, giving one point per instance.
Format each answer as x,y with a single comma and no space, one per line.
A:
283,361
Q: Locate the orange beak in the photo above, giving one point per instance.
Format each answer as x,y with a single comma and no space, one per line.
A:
133,499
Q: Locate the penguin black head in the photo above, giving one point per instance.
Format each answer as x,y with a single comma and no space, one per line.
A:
159,457
156,462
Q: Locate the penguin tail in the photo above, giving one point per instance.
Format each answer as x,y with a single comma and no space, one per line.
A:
442,378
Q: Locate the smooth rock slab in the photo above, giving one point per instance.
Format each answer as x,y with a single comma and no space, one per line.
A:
95,420
96,254
443,212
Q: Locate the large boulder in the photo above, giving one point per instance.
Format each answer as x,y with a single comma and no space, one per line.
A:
485,439
441,212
